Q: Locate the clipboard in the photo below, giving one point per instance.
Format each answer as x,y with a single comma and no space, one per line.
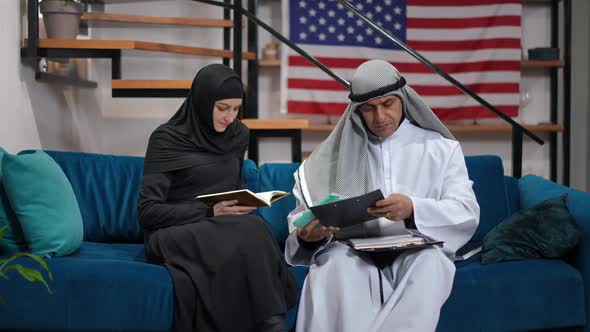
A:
347,212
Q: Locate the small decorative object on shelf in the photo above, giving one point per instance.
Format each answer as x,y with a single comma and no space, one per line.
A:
544,53
62,18
270,52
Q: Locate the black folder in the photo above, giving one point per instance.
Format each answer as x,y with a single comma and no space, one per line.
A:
347,212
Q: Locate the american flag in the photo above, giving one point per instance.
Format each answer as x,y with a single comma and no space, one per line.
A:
475,41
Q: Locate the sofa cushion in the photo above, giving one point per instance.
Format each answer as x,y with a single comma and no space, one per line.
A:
103,287
107,188
278,176
13,239
535,189
487,174
44,203
514,296
513,194
546,230
250,175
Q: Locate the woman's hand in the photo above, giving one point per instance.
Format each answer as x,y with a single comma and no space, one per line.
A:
311,234
394,207
230,207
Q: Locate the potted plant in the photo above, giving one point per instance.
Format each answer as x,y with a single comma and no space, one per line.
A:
32,275
61,18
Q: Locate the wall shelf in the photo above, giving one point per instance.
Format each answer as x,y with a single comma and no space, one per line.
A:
540,128
524,63
140,19
94,44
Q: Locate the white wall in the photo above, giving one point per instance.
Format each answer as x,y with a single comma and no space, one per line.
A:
68,118
18,128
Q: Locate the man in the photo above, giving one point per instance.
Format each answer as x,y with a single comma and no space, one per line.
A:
387,139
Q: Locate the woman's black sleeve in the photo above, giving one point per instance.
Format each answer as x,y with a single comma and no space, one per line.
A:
156,212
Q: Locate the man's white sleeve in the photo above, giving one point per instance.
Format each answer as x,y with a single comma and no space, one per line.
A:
453,218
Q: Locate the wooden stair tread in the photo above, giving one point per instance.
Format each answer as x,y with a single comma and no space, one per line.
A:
125,18
151,84
482,128
276,124
138,45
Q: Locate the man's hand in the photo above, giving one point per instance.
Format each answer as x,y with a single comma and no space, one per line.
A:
309,234
230,207
395,207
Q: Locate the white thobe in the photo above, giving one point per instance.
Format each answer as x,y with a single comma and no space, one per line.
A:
344,291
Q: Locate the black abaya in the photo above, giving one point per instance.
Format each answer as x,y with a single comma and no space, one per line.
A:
228,272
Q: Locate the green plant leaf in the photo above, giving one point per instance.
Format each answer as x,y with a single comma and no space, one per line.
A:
2,275
34,257
3,231
29,274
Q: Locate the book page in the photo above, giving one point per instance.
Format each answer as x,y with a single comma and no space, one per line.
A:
271,196
386,241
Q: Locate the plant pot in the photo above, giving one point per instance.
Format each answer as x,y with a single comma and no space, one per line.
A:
62,18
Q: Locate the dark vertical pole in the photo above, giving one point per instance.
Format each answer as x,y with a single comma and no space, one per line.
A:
253,147
296,146
516,152
226,31
33,31
567,81
252,92
116,65
554,93
237,39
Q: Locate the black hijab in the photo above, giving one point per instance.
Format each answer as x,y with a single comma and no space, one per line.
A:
189,137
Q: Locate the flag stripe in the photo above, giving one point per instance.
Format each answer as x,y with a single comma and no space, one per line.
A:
452,113
465,45
460,2
413,79
430,90
458,113
306,107
435,11
414,67
455,23
396,56
463,34
332,96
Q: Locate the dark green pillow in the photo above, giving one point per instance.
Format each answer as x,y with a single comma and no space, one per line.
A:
546,230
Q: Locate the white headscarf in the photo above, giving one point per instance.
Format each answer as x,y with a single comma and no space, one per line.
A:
340,164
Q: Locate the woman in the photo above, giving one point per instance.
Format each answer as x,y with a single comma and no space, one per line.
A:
228,272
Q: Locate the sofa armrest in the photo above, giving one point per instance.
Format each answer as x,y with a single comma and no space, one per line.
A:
535,189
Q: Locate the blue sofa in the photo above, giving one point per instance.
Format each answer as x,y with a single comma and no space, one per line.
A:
107,285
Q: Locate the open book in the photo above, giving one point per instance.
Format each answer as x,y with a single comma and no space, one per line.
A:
244,196
391,243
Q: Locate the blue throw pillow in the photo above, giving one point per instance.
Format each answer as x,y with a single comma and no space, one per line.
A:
546,230
44,203
13,239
